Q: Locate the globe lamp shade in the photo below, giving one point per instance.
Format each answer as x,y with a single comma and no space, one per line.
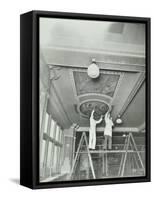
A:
93,71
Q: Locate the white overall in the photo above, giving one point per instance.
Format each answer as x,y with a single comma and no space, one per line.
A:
92,131
108,132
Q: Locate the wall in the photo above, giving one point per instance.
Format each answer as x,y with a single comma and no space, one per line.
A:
9,101
68,150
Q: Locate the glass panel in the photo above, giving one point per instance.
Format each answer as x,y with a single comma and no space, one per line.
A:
46,123
49,154
52,129
43,151
60,135
57,132
55,160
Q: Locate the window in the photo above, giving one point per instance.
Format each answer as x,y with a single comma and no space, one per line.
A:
51,148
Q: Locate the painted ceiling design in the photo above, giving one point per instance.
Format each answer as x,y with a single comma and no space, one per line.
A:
100,109
96,93
105,84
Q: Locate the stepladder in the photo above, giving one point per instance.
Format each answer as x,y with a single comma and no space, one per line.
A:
83,144
130,145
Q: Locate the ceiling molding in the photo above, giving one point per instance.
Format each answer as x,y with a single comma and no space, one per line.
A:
63,113
94,51
91,101
118,86
55,104
133,93
106,66
53,77
103,97
81,59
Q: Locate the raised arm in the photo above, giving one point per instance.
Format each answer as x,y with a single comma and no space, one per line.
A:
106,115
99,121
92,113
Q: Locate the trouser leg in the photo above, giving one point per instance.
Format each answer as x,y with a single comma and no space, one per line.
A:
109,142
90,139
105,142
93,140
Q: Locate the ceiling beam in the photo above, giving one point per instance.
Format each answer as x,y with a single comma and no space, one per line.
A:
81,59
114,51
107,66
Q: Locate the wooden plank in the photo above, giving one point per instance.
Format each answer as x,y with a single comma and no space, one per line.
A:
111,151
116,129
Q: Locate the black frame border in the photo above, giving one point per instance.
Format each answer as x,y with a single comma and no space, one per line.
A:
29,99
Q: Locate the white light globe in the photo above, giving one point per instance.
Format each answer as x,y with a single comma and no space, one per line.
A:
119,121
93,71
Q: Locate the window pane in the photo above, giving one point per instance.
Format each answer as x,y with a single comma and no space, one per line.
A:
55,160
60,136
57,132
49,154
52,129
46,123
43,151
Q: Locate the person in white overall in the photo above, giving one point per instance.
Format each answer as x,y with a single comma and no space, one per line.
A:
92,130
108,131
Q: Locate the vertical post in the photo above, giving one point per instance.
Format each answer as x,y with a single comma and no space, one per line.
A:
73,143
58,153
52,150
106,164
103,166
125,157
57,149
46,147
43,123
62,150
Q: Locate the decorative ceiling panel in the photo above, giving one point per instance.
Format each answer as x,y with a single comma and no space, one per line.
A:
105,84
100,108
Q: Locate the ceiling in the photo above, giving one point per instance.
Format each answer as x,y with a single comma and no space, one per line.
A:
67,48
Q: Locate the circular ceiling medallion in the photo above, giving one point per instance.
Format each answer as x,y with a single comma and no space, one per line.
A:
93,71
100,108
